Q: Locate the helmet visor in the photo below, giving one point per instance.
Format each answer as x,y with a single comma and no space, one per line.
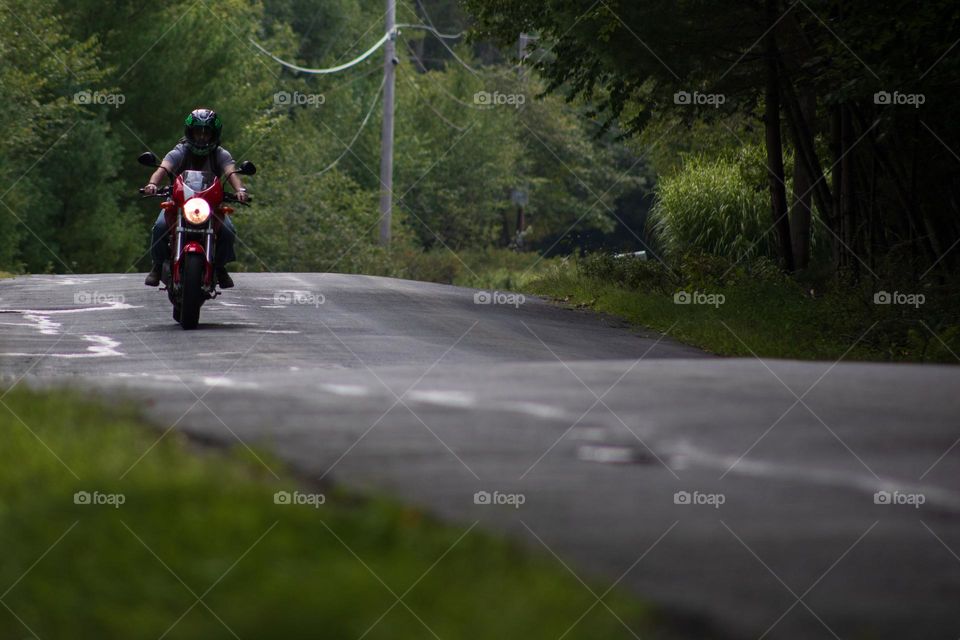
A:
200,135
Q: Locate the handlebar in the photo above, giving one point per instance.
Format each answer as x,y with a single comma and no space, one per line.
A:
232,197
164,192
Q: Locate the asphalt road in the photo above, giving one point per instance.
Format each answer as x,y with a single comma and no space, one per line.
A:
417,391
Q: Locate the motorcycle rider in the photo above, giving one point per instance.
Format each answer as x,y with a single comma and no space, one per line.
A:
198,150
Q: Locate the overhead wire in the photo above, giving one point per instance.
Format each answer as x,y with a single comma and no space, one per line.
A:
343,67
433,29
440,85
444,36
366,118
364,56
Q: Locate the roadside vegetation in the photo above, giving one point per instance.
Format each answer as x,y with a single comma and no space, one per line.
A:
817,157
753,309
92,92
728,307
192,523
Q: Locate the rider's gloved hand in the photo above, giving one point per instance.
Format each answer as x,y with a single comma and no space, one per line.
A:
242,195
150,189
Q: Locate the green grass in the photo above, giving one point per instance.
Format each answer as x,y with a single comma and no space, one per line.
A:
763,313
492,268
207,517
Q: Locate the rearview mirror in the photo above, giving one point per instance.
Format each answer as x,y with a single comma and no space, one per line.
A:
148,159
246,168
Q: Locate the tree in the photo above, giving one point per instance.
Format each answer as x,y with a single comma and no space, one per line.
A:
835,70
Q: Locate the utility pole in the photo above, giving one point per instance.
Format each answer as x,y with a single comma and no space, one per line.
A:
386,143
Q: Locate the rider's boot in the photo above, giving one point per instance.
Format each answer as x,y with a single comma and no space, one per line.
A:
223,278
153,278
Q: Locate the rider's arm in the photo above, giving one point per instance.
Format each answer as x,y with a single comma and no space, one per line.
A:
235,182
158,175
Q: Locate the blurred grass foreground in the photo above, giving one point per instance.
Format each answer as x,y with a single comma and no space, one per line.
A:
108,532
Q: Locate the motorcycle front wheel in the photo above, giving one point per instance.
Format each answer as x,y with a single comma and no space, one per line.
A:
194,266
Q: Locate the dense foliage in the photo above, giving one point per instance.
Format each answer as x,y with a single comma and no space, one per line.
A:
84,91
712,205
860,91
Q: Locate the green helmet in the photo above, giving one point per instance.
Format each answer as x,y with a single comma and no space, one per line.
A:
200,120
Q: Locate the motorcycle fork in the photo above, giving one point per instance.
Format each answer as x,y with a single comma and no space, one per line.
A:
208,250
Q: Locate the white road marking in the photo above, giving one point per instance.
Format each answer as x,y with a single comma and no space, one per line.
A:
830,477
43,324
39,319
535,409
101,347
110,306
458,399
221,381
353,390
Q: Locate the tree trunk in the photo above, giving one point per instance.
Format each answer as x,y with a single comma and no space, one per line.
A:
801,214
898,180
847,201
801,112
836,220
774,141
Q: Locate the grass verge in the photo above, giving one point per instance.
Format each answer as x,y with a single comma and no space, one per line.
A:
491,268
199,549
763,312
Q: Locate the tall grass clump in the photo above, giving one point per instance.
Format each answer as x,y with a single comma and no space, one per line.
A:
715,206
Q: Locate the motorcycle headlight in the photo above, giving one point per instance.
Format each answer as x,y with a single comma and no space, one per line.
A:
196,210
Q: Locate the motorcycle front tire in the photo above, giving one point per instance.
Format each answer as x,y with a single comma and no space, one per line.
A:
194,266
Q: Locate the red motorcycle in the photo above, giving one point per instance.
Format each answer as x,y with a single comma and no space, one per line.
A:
194,209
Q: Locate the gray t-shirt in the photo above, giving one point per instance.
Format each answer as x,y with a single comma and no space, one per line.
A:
215,162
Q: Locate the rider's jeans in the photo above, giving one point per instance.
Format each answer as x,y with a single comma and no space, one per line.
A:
222,254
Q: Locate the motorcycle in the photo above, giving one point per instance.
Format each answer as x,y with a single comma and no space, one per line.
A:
193,207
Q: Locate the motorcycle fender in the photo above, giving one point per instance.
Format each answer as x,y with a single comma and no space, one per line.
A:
196,247
193,247
190,247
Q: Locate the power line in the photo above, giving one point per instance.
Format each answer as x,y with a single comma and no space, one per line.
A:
440,84
444,36
376,99
336,69
369,52
390,62
433,29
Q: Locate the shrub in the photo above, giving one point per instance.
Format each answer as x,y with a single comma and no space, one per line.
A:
714,206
